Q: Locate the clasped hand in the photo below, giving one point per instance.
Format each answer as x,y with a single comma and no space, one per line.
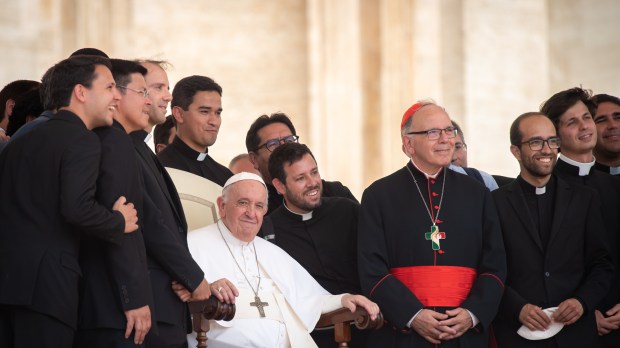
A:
435,326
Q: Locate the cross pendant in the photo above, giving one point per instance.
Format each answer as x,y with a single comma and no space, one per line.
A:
259,305
434,236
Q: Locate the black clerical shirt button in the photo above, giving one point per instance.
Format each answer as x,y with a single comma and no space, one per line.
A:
547,274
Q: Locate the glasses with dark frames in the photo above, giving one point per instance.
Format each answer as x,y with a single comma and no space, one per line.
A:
271,144
435,133
538,144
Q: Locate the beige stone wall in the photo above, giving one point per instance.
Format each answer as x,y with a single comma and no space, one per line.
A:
344,70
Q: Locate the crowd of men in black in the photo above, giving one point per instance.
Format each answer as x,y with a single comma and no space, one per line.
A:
93,233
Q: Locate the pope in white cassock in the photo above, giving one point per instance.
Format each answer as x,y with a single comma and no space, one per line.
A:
278,303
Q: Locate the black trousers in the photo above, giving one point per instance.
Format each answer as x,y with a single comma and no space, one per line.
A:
168,336
104,338
21,327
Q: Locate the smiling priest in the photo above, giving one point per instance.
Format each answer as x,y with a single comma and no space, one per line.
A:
278,303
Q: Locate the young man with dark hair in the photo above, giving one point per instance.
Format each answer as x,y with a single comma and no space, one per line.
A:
607,120
8,95
27,108
115,297
197,110
555,247
267,133
319,232
571,112
48,183
164,134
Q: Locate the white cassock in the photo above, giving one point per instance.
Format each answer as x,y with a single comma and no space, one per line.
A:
295,299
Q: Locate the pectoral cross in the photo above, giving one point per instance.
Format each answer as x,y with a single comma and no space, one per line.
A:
434,236
259,305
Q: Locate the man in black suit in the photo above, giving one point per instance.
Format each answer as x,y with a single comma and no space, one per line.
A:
165,228
48,182
264,135
197,110
115,292
571,111
555,245
607,119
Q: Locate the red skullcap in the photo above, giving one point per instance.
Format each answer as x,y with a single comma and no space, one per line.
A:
412,110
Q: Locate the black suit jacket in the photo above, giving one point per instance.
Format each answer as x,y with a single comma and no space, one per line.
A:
47,181
165,235
575,263
115,277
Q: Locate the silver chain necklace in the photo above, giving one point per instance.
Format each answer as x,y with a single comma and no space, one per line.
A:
257,302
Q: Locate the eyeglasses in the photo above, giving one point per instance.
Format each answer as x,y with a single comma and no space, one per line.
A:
538,144
144,92
260,208
271,144
460,147
435,133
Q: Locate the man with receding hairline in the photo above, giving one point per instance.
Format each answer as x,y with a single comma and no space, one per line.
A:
165,228
430,249
277,302
558,265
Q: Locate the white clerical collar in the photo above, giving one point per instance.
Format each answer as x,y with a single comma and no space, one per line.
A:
228,236
431,176
201,156
584,168
148,137
541,190
304,217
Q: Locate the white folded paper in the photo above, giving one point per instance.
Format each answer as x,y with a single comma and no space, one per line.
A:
551,331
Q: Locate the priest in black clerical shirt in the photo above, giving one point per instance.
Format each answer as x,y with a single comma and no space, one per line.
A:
267,133
319,232
607,119
572,111
554,238
197,110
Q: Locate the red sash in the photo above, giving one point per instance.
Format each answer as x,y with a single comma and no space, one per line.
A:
437,286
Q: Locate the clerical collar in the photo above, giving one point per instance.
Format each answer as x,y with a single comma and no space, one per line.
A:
531,188
228,236
584,168
188,151
431,176
304,217
607,169
148,137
